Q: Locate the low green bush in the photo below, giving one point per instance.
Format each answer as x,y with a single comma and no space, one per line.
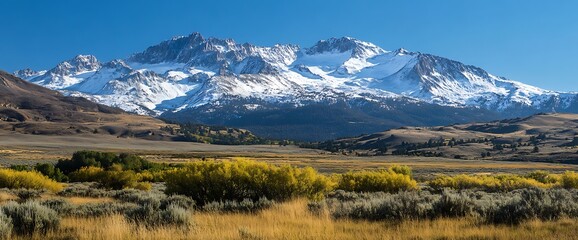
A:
107,179
107,160
51,171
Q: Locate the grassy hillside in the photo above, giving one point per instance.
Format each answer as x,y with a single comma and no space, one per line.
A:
542,137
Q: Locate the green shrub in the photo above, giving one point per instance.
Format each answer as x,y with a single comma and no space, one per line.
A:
83,159
208,181
391,180
20,168
106,179
31,218
50,171
33,180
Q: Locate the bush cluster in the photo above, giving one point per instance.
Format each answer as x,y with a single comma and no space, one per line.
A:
394,179
13,179
104,160
112,179
84,189
25,194
485,182
569,180
51,171
506,182
30,218
499,208
208,181
153,214
64,208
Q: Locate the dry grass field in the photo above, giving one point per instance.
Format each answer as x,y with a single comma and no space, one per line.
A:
292,220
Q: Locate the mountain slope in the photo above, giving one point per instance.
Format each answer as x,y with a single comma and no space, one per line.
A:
218,81
29,108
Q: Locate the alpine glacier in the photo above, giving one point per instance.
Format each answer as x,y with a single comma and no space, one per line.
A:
216,81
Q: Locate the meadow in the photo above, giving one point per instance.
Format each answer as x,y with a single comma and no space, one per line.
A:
104,195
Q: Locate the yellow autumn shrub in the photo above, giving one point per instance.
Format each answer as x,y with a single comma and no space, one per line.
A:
394,179
207,181
25,179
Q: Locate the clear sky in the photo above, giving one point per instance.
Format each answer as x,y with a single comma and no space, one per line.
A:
535,42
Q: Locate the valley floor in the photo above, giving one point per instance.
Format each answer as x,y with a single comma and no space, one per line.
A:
18,148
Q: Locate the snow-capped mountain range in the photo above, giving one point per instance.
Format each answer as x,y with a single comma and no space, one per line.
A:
219,81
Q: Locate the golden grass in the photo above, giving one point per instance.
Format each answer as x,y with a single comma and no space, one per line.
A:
84,200
6,196
292,221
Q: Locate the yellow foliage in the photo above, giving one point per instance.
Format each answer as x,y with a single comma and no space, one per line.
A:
153,176
569,179
86,174
145,186
207,181
505,182
107,179
23,179
394,179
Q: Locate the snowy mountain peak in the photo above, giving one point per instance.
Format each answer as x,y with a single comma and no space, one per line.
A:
194,73
340,45
78,64
28,73
401,51
116,64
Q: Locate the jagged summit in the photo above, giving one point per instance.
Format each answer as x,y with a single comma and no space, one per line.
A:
220,81
339,45
80,63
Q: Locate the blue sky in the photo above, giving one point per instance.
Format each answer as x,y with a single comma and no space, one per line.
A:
535,42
